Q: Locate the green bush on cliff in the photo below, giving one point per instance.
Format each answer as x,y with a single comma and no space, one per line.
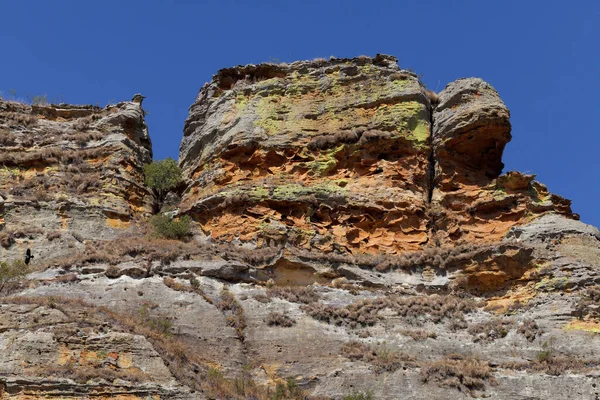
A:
169,228
162,176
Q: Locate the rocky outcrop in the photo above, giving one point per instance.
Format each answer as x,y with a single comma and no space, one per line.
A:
70,173
471,202
353,234
353,156
322,154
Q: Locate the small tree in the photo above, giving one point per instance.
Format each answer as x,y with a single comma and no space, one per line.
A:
162,176
12,273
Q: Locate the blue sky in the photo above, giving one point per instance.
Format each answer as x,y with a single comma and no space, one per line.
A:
542,56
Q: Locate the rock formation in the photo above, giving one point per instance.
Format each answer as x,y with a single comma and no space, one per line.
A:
70,173
353,234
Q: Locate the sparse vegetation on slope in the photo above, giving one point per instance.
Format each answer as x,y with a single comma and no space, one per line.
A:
466,374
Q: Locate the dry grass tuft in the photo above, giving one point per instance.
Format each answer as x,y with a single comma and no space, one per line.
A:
6,239
466,374
53,235
278,319
193,288
382,358
262,298
530,330
419,335
17,118
432,96
112,272
415,310
589,303
294,294
491,330
233,311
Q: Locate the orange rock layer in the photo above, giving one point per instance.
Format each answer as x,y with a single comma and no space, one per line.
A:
352,156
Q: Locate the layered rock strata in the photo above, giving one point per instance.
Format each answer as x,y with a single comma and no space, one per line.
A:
70,173
471,201
323,154
352,235
353,156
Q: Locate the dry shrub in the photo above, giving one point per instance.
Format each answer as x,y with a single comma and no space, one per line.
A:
436,257
530,330
112,272
294,294
67,278
27,231
399,76
419,335
466,374
53,235
333,140
193,288
589,303
6,239
415,310
82,124
278,319
7,138
491,330
139,248
233,311
558,364
252,256
54,155
20,118
383,359
262,298
374,136
552,364
432,96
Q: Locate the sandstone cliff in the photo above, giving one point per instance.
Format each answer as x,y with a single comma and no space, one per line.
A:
70,173
353,235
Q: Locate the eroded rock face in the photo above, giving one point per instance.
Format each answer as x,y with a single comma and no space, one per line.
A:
471,202
350,155
332,338
70,173
352,234
319,154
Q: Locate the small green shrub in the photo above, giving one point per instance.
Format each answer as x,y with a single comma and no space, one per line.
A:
169,228
194,283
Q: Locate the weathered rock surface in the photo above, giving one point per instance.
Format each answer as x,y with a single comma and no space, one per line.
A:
470,200
353,234
70,173
322,154
350,155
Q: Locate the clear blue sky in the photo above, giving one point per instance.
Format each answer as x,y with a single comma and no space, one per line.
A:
542,56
